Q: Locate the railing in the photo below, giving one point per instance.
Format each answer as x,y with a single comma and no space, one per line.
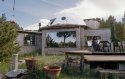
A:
113,47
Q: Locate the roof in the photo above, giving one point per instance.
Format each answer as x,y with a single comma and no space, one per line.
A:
91,19
62,26
104,58
29,32
67,18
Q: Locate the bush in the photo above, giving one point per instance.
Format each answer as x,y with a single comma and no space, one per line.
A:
8,44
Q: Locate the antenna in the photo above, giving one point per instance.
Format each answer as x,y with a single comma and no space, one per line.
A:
13,15
13,10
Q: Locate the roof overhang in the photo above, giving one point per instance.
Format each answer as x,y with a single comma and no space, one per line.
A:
63,26
29,32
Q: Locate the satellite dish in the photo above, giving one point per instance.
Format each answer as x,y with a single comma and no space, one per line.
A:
51,21
63,18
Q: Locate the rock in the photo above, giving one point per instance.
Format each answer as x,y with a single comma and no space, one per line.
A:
15,74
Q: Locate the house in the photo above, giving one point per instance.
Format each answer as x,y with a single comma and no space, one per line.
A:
49,41
29,41
59,38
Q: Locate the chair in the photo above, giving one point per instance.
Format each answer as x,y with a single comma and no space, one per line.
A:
105,44
117,44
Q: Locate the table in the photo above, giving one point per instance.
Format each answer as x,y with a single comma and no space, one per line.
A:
77,53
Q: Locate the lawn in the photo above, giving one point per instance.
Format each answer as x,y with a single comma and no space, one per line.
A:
48,60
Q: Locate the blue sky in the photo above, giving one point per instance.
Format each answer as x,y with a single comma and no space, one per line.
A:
60,39
29,12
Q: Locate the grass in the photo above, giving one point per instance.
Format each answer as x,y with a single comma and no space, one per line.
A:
47,60
4,67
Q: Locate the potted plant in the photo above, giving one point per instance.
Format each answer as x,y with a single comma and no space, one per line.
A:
31,63
53,71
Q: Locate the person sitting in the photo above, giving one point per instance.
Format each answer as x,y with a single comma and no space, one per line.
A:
95,44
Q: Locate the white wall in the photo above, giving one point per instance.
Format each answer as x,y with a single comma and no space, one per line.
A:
104,33
92,24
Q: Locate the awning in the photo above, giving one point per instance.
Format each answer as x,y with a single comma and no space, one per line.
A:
104,58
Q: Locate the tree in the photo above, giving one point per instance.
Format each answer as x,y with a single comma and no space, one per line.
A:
3,18
8,44
117,28
107,23
15,25
66,34
120,30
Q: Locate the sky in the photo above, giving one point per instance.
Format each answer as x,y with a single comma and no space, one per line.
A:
30,12
60,39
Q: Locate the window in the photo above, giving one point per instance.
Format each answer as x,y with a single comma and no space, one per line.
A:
29,39
88,40
61,39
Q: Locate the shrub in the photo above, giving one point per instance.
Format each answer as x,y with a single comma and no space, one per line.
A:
8,44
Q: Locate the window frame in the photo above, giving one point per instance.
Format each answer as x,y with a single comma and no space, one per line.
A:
86,44
31,39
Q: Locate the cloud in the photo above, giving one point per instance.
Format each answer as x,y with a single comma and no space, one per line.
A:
84,10
35,26
109,5
96,8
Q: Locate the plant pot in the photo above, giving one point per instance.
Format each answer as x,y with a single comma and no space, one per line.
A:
31,63
52,71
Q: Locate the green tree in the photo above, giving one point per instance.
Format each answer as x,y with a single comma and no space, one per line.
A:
107,23
117,27
66,34
8,44
3,17
120,30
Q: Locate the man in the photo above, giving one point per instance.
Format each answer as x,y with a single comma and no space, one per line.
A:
95,44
